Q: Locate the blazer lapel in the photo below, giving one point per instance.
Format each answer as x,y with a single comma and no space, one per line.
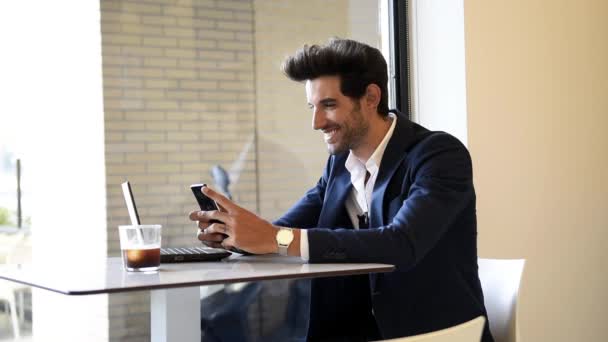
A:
393,156
339,189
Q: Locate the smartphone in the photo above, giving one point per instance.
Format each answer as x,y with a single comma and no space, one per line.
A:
207,204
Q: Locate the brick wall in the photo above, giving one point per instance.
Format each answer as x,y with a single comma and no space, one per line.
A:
179,98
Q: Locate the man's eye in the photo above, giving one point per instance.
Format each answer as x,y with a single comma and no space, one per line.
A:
330,105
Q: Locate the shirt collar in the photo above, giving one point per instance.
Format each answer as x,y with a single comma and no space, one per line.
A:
353,164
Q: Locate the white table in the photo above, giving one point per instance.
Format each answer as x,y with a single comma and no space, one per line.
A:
175,296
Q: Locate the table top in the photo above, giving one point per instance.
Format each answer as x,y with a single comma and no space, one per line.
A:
112,278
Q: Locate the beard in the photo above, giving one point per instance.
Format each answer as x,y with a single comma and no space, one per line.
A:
353,132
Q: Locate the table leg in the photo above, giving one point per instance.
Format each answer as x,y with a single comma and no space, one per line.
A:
21,303
175,315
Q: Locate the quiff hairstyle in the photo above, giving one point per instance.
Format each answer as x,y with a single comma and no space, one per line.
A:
356,64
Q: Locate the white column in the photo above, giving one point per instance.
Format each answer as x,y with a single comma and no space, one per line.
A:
175,315
438,65
53,90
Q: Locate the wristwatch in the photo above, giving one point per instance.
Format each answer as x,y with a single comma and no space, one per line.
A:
284,239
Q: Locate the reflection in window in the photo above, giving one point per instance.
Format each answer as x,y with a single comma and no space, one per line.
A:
193,93
192,85
15,247
10,191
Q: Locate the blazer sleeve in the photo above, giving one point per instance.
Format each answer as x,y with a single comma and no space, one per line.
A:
305,213
441,188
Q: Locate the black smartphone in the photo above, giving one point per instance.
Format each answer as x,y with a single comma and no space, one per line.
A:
207,204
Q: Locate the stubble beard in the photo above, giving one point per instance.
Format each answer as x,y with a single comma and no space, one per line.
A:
354,131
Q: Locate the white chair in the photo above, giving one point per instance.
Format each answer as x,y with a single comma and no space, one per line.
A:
466,332
500,279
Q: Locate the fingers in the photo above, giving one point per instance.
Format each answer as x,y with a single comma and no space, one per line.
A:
227,243
215,240
210,237
207,216
217,228
193,216
214,232
215,235
213,244
221,200
205,225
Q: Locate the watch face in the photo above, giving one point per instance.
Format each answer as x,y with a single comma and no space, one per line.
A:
284,236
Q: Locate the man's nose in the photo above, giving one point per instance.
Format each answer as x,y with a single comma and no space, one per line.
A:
318,119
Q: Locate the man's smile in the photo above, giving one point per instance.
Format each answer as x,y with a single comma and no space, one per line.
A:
329,135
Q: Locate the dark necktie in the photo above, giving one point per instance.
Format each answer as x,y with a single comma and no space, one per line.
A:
363,221
364,218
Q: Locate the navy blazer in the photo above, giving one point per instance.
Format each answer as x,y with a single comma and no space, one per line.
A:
422,220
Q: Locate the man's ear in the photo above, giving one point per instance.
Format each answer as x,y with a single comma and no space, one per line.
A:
372,96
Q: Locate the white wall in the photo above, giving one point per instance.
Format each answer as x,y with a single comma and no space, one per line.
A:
52,96
438,66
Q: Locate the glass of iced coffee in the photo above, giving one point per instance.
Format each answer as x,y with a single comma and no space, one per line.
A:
140,247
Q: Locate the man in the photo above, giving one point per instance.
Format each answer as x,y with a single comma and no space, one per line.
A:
392,192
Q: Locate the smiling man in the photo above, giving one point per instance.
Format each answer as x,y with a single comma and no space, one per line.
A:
392,192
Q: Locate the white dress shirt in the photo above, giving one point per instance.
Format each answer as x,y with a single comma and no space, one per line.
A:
360,198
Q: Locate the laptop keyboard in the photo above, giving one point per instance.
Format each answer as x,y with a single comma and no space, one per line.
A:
191,250
186,254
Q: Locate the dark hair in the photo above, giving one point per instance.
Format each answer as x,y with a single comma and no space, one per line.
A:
357,65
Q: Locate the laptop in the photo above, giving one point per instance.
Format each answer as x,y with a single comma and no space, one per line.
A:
174,254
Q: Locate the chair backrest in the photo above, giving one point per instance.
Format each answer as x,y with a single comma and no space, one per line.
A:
500,279
466,332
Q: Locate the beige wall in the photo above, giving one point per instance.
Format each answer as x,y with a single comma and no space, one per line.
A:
291,155
537,93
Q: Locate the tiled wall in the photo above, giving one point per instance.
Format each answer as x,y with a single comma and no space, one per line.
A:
179,98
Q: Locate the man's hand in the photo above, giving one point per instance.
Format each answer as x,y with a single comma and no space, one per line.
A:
234,227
